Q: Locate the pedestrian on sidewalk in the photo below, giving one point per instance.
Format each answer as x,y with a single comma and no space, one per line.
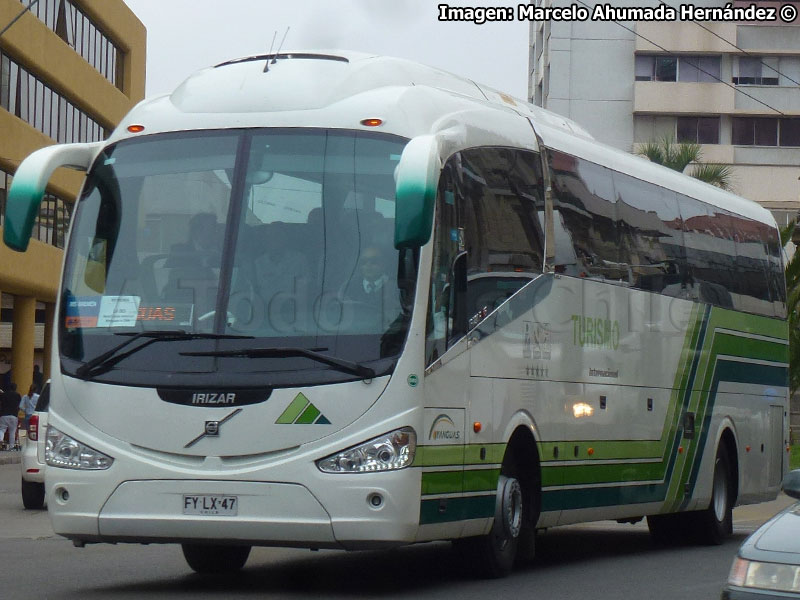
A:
9,407
38,378
28,405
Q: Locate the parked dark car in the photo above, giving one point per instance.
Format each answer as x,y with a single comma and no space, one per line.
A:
768,562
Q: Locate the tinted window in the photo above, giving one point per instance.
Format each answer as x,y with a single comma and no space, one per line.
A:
651,236
710,254
585,204
447,241
502,192
775,273
756,291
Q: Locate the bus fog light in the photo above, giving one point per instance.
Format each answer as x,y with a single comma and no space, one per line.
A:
63,451
391,451
375,500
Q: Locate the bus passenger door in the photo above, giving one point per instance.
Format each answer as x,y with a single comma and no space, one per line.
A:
442,440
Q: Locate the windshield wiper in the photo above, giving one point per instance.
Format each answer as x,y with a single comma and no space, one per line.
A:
339,363
106,360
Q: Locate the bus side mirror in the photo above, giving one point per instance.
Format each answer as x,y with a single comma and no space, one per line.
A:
29,183
416,181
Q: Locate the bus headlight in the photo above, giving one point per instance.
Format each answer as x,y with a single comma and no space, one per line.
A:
387,452
63,451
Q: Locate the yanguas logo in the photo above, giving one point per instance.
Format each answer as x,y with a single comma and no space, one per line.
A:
443,428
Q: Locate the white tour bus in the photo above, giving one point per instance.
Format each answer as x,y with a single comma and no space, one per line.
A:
345,301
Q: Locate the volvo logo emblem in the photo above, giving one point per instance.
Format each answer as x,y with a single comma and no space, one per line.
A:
212,428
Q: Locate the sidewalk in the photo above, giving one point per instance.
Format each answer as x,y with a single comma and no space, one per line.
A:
10,458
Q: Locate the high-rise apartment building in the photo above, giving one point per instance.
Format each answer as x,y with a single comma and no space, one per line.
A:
733,87
69,71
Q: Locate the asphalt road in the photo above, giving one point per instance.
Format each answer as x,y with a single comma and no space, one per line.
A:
596,561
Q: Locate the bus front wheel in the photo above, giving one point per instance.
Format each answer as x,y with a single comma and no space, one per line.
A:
209,559
493,555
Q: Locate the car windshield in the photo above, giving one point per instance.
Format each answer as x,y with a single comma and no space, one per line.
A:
270,238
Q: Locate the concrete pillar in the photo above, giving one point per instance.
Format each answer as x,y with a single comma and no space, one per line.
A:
22,342
49,324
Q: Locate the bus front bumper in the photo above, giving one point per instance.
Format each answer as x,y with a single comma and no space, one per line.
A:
266,513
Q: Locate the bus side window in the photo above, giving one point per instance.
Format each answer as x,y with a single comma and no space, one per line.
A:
446,238
502,194
584,197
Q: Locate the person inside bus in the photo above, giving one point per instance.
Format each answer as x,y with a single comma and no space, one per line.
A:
373,289
192,278
280,278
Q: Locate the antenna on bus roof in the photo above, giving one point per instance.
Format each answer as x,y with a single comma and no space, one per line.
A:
266,66
275,58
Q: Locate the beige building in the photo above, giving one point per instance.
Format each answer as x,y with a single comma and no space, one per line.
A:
733,87
69,71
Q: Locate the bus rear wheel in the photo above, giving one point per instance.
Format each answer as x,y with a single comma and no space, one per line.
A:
715,523
208,559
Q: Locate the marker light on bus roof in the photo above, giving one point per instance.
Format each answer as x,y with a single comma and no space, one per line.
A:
136,128
372,122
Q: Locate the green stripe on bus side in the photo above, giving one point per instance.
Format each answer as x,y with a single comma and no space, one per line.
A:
442,482
453,482
730,371
580,474
706,396
732,345
696,370
494,454
441,456
702,401
753,324
456,509
438,456
601,450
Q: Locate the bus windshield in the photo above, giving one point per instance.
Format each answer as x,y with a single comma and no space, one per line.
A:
252,239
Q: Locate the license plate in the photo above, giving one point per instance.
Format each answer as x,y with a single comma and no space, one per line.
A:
225,506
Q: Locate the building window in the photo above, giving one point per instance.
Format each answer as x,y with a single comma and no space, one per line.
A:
677,68
754,70
698,130
790,132
749,131
665,68
26,96
81,33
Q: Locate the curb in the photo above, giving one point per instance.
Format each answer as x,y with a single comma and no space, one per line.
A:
10,458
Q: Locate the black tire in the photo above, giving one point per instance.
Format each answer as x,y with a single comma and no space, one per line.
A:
715,523
208,559
32,495
493,555
668,529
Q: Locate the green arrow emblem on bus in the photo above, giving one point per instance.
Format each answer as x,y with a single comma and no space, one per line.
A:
302,412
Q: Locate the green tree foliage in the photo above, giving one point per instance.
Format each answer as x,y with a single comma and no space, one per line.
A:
793,308
678,156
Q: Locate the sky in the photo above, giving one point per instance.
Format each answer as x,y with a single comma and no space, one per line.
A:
186,35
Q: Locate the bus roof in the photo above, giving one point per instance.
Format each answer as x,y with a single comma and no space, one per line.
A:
339,89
